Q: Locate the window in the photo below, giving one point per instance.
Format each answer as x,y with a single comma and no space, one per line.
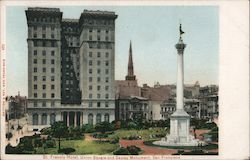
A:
35,95
106,88
90,79
35,61
52,61
107,71
35,69
52,70
98,54
90,119
90,54
44,119
107,31
35,119
98,96
52,53
44,104
52,28
98,118
35,86
35,103
98,88
52,104
98,79
107,54
106,104
52,117
44,44
90,30
44,27
106,117
52,36
107,79
107,63
35,35
90,104
52,86
90,96
35,43
106,38
44,95
44,86
90,87
35,52
90,71
98,104
44,61
98,63
44,69
52,95
90,62
44,78
35,27
52,44
44,36
98,71
44,53
98,38
90,37
35,78
98,31
107,96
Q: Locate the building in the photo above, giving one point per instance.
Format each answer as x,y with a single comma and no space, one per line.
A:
70,67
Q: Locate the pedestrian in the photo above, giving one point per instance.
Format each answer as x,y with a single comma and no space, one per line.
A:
16,140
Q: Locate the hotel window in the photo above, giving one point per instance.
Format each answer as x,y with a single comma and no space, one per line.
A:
52,53
98,31
52,44
44,44
52,28
44,70
98,79
90,30
52,95
98,38
107,63
35,35
106,104
98,54
90,104
35,69
44,95
107,31
35,27
107,79
98,71
35,104
35,43
44,61
90,71
44,78
44,53
107,54
90,96
98,63
90,62
35,61
90,79
52,61
52,86
44,35
52,36
107,71
90,54
106,88
35,52
35,78
44,28
52,78
90,87
98,104
52,70
44,104
35,95
106,38
52,104
90,37
98,88
98,96
35,86
44,86
107,96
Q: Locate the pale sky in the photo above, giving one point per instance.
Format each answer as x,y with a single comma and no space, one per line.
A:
153,30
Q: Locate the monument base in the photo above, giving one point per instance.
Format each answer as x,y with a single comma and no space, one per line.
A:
179,131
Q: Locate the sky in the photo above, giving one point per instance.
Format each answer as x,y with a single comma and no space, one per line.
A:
153,31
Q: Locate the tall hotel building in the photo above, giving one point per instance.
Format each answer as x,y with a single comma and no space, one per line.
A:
70,67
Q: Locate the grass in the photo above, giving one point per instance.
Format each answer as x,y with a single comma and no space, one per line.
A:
145,133
82,147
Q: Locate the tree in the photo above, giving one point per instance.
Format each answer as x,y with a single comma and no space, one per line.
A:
104,127
59,130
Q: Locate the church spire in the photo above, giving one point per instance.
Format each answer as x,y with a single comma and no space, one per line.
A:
130,75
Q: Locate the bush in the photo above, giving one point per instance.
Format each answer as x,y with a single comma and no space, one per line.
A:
26,143
133,150
121,151
9,135
66,150
87,128
13,150
50,143
114,140
46,131
38,142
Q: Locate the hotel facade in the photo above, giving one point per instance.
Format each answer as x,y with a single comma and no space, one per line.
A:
70,67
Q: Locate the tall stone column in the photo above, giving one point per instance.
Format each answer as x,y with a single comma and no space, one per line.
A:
75,119
67,118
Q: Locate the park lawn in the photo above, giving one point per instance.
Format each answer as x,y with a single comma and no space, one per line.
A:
144,133
82,147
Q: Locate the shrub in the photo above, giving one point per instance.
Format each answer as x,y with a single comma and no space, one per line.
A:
46,131
26,143
50,143
66,150
133,150
88,128
114,140
13,150
9,135
121,151
38,142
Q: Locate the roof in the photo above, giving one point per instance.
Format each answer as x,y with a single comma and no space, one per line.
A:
126,88
159,93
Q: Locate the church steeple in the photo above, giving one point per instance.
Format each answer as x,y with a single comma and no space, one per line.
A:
130,75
